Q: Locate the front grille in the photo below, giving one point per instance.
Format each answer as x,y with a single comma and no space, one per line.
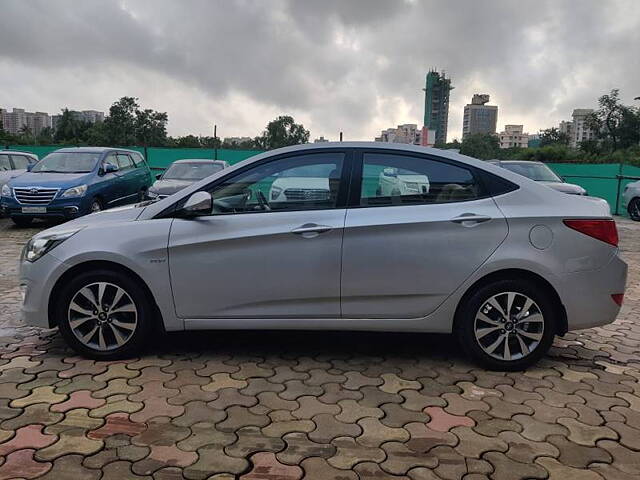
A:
302,194
35,195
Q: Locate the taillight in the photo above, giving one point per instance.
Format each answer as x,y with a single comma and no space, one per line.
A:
618,298
603,230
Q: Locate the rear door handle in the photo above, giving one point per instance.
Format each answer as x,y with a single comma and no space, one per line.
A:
470,219
309,230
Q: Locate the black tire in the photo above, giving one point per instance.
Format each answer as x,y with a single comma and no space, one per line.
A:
95,205
145,314
22,221
466,323
634,209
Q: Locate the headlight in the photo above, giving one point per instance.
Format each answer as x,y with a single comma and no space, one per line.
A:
78,191
41,244
275,192
411,185
6,190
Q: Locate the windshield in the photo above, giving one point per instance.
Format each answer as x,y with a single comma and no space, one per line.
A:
535,171
191,171
69,162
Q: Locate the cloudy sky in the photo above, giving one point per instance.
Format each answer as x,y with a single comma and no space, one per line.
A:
351,65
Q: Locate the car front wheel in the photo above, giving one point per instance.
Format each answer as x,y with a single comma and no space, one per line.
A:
507,324
634,209
104,315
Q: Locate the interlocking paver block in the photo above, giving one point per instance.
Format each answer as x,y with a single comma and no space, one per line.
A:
37,413
423,439
116,403
117,423
375,433
316,468
524,450
557,471
223,380
72,440
578,456
508,469
206,434
39,395
30,436
70,467
163,456
21,464
441,421
328,428
395,384
79,399
310,406
400,459
349,452
161,432
267,466
356,380
587,435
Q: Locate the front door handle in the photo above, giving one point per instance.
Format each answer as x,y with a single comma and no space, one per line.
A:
310,230
470,219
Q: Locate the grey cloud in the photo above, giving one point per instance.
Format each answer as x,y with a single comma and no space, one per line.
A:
332,61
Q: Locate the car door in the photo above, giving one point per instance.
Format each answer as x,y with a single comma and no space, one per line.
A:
141,174
255,258
128,178
20,164
404,253
111,184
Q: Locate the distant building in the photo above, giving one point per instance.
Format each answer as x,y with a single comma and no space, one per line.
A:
320,140
436,105
580,131
237,140
15,121
407,133
86,116
513,137
566,127
478,117
534,140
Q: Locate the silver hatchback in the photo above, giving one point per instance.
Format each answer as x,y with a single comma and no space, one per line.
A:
499,260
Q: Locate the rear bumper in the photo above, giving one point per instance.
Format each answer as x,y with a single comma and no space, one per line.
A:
587,295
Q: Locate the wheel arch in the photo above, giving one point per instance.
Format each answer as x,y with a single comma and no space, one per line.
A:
517,274
99,265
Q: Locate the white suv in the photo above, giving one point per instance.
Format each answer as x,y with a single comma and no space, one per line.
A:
394,182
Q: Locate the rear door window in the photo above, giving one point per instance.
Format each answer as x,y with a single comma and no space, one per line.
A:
124,161
5,164
20,162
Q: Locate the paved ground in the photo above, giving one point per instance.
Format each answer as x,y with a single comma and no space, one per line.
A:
317,406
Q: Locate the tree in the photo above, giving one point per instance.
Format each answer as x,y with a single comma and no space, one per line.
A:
616,125
553,136
151,127
282,132
484,146
120,125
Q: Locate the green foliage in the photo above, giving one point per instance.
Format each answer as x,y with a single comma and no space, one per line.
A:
481,145
282,132
617,125
553,136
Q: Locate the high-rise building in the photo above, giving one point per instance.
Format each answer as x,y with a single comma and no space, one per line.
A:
407,133
479,117
87,116
320,140
580,131
17,120
513,137
436,104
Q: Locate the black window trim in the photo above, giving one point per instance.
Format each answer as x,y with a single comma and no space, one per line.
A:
344,188
358,164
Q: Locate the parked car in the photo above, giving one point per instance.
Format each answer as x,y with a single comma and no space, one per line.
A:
540,172
631,199
13,164
72,182
183,173
504,266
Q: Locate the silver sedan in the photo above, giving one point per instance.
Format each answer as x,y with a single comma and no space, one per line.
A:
502,262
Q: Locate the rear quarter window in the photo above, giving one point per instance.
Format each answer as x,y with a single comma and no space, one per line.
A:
495,185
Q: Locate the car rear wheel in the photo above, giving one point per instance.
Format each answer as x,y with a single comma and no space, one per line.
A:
634,209
104,315
22,221
507,325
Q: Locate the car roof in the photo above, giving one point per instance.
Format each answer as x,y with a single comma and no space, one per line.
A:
94,150
18,152
199,160
515,162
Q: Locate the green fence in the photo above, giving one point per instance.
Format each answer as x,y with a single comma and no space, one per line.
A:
605,180
158,158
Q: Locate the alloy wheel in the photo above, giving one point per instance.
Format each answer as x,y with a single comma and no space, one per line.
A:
509,326
102,316
95,207
634,209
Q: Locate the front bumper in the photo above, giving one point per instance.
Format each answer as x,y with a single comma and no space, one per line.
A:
37,280
67,208
587,295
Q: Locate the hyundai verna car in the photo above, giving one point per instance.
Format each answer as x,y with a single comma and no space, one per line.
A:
540,172
13,164
499,260
72,182
183,173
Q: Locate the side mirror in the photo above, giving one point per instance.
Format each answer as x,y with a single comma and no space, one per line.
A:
110,168
159,176
200,203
